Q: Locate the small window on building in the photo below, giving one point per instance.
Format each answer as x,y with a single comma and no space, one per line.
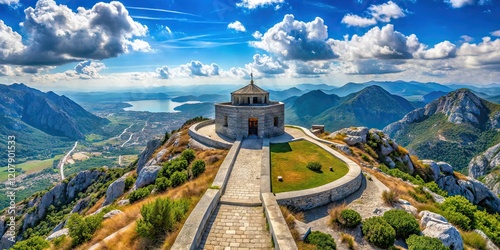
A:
248,100
276,121
225,121
255,100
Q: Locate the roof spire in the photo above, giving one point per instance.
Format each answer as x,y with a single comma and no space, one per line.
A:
251,78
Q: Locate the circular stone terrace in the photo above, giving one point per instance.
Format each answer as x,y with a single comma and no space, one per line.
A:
338,189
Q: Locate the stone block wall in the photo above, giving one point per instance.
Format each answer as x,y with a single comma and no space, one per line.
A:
237,119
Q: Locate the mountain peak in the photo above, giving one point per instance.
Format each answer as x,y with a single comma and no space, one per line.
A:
460,106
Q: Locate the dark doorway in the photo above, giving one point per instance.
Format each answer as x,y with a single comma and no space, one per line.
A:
253,126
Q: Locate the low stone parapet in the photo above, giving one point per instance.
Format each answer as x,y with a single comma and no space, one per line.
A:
193,132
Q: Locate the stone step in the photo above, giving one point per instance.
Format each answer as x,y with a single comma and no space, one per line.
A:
253,202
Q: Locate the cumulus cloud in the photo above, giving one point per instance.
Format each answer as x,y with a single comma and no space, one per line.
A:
484,54
191,69
378,43
495,33
56,34
296,40
236,25
382,13
89,69
6,70
253,4
385,12
369,67
309,69
355,20
257,35
140,45
439,51
267,65
459,3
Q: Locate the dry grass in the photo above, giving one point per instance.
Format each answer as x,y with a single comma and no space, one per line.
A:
461,176
95,207
402,150
192,190
335,214
348,240
390,197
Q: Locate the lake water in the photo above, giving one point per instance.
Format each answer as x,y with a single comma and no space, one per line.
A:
156,105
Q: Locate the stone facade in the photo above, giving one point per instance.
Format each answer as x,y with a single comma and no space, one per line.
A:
233,120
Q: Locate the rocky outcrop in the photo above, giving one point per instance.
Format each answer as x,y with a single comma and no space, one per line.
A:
81,205
473,190
112,213
353,135
62,193
58,234
302,229
147,176
412,117
445,232
426,216
147,153
489,244
115,190
485,162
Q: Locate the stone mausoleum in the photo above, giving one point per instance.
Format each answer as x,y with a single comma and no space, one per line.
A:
250,113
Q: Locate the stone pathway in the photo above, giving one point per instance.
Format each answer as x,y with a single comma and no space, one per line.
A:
238,221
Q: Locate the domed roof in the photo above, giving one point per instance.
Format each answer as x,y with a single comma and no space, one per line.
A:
250,89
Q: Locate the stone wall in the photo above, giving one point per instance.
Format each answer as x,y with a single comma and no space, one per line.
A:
204,139
237,119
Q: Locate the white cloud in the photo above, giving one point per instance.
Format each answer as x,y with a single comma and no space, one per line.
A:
252,4
192,69
296,40
267,65
89,69
9,2
140,45
467,38
56,34
385,12
369,67
236,25
485,54
6,70
378,43
495,33
382,13
10,42
439,51
355,20
257,35
459,3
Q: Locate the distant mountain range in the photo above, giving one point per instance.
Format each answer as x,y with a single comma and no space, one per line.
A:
453,128
41,119
372,107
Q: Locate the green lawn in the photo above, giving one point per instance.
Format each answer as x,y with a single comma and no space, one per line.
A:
289,160
30,167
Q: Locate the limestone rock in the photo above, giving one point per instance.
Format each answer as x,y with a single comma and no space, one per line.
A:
123,202
436,171
407,161
342,147
489,244
59,226
147,176
115,190
58,234
353,135
426,216
414,116
112,213
436,197
80,205
303,229
147,153
445,232
485,162
445,168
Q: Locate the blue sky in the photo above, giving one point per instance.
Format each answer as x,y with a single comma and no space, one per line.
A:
113,45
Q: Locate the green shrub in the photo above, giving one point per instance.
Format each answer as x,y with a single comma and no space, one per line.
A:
198,167
129,182
416,242
162,184
435,188
81,229
33,243
349,218
139,194
489,224
159,218
365,158
403,222
457,219
188,155
314,166
321,240
178,178
378,232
